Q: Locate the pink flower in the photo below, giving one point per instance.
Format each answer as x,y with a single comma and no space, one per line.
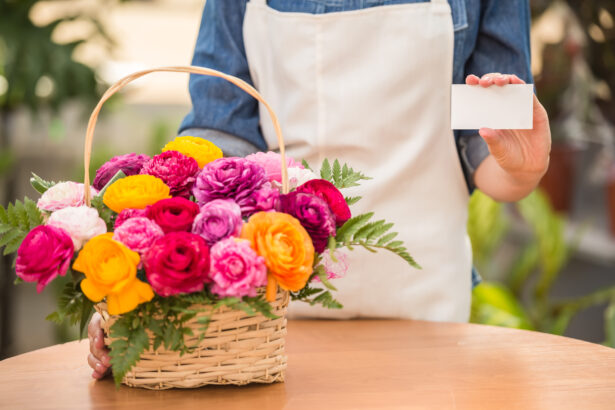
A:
45,253
138,234
175,169
334,198
335,269
129,164
128,213
82,223
296,177
263,199
217,220
62,195
236,269
173,214
272,162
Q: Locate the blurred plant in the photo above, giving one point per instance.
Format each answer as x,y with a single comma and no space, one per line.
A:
520,296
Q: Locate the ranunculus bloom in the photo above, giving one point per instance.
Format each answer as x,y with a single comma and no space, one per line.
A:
217,220
200,149
263,199
177,263
272,162
129,164
173,214
44,254
80,222
335,268
229,178
236,269
110,270
334,198
136,191
174,169
296,177
138,234
285,245
62,195
126,214
313,213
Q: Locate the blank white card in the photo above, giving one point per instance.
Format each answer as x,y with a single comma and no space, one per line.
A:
507,107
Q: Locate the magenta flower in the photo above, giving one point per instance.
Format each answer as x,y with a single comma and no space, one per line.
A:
217,220
138,234
272,162
45,253
236,269
229,178
263,199
334,198
173,214
128,213
176,170
314,215
129,164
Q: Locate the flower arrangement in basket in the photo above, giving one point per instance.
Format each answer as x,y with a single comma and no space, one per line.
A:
191,258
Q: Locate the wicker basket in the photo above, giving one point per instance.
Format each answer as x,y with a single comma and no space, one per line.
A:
237,349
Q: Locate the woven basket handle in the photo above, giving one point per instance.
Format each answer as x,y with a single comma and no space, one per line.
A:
89,137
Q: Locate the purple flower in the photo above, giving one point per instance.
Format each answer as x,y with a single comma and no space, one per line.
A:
129,164
236,269
263,199
127,214
138,234
176,170
229,178
217,220
314,215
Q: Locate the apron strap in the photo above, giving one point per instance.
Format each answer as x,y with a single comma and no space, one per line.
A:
263,2
439,1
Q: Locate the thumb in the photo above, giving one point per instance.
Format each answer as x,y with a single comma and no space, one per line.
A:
495,142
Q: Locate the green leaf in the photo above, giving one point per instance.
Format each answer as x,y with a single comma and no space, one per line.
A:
322,275
337,173
127,348
16,221
325,170
386,238
39,184
306,165
609,324
346,231
341,176
351,200
105,213
493,304
118,175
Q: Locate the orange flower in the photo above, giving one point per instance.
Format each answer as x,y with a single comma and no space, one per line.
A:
200,149
135,191
286,247
110,270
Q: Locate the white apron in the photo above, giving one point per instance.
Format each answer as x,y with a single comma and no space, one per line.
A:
371,87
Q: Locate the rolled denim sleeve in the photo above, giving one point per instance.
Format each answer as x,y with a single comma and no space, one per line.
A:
502,45
220,109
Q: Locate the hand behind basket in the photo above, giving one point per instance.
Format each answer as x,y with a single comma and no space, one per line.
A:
98,359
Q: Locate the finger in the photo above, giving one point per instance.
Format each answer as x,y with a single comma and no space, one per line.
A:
472,80
490,136
516,80
94,324
502,80
100,352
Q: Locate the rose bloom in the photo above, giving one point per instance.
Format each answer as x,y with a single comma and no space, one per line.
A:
314,215
177,263
272,163
217,220
136,191
173,214
129,164
45,253
62,195
236,269
285,245
334,198
138,234
126,214
174,169
110,270
81,223
200,149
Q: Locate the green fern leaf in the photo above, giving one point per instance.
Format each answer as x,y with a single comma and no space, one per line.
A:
35,218
337,173
346,232
386,238
40,184
352,200
325,170
127,349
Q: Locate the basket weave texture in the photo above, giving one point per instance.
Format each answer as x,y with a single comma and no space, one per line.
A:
237,349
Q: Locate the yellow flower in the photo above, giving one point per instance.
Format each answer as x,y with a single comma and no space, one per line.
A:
286,247
200,149
135,191
110,270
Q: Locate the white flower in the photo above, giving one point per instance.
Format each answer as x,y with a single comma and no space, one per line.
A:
62,195
81,222
296,177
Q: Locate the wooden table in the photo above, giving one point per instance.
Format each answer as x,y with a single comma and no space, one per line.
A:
354,365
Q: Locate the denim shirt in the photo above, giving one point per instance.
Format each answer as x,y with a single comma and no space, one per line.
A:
490,36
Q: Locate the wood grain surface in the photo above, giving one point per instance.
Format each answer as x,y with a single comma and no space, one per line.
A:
354,365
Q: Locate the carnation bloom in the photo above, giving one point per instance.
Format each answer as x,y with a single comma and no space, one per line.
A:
230,178
200,149
286,247
177,263
44,254
272,162
81,223
129,164
174,169
110,270
136,191
334,198
62,195
126,214
217,220
173,214
236,269
314,215
138,234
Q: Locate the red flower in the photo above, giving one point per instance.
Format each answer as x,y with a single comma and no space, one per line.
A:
173,214
332,196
